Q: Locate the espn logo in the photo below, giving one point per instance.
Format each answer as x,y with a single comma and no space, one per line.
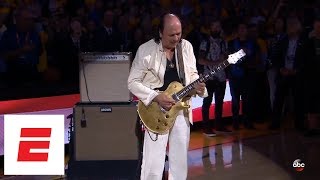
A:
33,145
27,146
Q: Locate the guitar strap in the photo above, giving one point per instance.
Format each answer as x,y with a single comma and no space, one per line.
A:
180,63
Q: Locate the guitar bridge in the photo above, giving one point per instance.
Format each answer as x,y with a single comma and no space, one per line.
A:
163,110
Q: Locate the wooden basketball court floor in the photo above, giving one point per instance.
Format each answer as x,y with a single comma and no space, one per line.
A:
245,154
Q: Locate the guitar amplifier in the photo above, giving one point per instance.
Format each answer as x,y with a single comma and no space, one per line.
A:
104,131
103,76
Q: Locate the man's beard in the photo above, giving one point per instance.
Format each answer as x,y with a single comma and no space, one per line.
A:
215,34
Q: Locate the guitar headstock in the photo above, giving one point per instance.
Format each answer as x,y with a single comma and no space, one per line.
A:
235,57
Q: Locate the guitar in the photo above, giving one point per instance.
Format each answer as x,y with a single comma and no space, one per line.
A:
158,120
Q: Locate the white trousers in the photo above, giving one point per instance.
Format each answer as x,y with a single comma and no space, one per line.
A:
154,152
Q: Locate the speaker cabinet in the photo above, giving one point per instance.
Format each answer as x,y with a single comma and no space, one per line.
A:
103,77
104,132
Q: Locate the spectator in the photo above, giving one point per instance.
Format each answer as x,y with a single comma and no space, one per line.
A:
20,46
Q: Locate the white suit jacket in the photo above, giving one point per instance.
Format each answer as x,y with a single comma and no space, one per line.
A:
148,69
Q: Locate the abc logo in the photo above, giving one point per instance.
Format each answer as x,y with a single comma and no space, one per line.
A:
298,165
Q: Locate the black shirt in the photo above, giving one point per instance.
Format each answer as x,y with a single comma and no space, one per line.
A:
171,74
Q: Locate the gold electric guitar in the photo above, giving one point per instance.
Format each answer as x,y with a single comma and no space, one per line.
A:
158,120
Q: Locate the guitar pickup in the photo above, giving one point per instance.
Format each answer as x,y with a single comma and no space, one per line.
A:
175,97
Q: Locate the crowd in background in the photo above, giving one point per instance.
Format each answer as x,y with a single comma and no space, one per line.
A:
40,40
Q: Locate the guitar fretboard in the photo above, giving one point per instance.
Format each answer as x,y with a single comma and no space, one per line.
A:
186,90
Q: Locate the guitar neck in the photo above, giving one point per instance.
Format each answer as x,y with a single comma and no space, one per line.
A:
186,90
